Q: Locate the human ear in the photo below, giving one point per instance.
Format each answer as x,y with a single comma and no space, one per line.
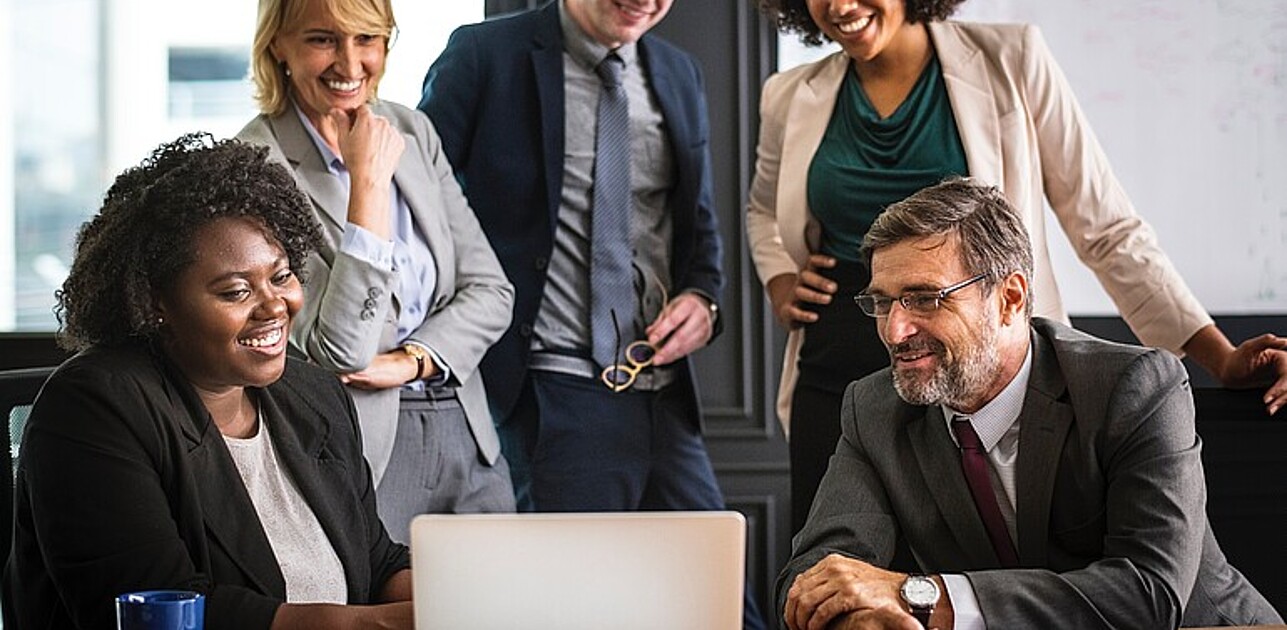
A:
1013,293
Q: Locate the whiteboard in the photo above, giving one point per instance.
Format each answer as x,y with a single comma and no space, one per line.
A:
1189,100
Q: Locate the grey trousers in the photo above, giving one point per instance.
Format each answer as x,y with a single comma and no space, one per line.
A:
436,467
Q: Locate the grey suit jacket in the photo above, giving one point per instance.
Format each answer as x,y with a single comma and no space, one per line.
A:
351,307
1110,506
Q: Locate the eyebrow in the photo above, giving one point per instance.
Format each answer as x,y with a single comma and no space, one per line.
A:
277,264
914,288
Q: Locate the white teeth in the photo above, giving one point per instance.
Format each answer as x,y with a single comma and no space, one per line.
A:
343,86
854,26
269,339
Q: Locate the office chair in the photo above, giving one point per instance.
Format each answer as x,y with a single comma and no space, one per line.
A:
18,388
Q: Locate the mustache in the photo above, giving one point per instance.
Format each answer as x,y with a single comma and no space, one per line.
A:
917,345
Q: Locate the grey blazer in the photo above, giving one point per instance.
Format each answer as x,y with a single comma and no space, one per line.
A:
351,307
1110,506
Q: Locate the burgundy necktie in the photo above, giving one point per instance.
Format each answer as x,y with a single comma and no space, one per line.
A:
974,463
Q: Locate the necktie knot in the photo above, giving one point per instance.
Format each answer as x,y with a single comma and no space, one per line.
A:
965,434
609,71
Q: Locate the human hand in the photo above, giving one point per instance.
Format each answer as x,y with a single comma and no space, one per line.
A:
838,585
1256,362
788,291
390,369
685,325
369,144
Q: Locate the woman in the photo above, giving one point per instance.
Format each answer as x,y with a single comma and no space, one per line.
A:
181,448
909,100
405,295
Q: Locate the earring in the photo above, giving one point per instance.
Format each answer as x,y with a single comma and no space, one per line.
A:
159,321
285,69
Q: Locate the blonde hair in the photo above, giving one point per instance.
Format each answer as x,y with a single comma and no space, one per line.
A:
272,87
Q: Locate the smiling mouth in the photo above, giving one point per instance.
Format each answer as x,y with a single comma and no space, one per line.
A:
266,340
343,86
853,26
632,12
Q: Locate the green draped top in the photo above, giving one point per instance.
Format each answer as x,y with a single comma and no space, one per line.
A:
865,163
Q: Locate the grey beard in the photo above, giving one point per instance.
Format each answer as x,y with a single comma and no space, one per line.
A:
957,383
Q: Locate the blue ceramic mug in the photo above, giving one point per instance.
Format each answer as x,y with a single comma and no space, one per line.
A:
161,610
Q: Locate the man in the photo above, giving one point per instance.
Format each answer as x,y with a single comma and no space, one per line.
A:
1043,478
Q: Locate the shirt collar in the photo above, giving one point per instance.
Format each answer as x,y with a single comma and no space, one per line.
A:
997,416
332,161
585,49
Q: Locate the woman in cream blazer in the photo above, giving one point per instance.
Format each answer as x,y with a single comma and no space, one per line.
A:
1023,131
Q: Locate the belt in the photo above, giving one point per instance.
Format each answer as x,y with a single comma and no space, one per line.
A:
649,379
430,392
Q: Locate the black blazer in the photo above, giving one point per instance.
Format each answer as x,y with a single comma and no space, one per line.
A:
125,484
495,96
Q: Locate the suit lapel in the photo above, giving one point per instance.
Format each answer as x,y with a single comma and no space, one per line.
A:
1044,422
415,191
313,174
940,464
965,73
227,509
547,68
300,452
807,118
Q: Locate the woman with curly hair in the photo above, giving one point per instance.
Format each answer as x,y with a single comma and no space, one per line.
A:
181,448
911,99
406,294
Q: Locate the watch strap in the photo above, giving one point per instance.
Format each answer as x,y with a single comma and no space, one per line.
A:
923,615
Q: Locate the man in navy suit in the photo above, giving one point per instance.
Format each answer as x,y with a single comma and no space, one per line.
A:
516,101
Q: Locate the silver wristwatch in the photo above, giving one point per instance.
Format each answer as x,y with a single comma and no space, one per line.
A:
920,592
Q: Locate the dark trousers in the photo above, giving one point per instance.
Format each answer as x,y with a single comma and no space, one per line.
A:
839,348
436,467
577,446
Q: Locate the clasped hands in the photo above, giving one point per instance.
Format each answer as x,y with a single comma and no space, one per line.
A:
841,593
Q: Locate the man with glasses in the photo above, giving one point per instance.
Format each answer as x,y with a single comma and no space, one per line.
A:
1042,478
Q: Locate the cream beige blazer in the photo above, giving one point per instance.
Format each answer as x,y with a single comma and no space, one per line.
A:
1024,132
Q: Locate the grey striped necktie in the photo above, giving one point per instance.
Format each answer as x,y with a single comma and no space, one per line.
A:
612,286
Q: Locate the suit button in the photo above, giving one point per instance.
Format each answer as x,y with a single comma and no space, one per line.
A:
367,315
375,292
369,303
541,263
525,330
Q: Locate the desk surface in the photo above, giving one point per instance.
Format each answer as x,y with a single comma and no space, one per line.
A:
1279,627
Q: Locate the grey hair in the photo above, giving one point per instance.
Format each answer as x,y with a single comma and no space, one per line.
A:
992,237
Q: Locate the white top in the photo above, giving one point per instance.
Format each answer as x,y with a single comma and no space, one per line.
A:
308,562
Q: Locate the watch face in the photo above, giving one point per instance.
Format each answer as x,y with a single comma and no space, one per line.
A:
920,591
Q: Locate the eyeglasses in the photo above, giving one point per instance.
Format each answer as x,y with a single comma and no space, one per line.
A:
920,302
639,355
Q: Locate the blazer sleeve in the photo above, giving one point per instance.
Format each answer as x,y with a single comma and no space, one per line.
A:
449,95
1154,515
347,298
763,231
479,311
852,514
99,473
1090,204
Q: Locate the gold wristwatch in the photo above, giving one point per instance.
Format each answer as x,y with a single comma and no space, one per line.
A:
420,355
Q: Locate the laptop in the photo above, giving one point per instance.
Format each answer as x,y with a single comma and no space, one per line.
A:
579,571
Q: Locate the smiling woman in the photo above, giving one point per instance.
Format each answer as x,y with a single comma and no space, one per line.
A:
181,447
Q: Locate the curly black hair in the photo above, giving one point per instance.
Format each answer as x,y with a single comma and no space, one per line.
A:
792,16
139,243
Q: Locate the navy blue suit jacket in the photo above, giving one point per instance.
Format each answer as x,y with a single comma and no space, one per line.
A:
496,97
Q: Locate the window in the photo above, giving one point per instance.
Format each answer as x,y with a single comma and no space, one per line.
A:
99,84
